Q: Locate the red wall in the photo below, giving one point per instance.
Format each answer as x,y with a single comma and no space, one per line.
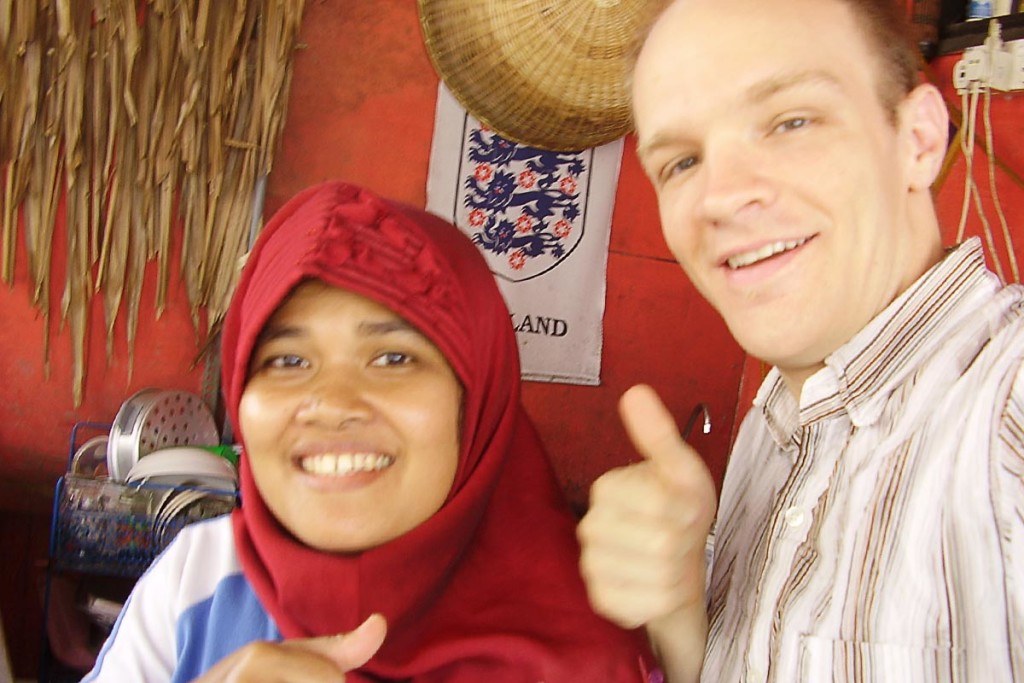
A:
362,108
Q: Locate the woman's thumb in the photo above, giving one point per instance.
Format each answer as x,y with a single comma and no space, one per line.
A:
353,649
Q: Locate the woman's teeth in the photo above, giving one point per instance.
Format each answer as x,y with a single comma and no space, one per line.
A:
344,464
767,251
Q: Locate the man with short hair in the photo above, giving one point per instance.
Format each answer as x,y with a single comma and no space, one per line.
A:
871,521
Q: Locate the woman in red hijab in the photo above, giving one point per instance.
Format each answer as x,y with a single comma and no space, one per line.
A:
389,469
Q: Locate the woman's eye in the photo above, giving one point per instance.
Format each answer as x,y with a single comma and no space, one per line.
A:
391,358
287,360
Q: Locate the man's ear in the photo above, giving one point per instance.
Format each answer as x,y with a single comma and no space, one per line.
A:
924,119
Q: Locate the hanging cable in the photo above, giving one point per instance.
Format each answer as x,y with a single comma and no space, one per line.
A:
970,96
990,152
967,148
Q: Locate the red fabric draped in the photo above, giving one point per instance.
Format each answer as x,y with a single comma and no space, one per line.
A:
488,588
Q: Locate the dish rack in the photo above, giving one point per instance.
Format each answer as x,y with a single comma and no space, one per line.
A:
100,526
103,535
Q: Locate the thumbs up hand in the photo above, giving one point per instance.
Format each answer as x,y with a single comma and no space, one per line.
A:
302,660
644,537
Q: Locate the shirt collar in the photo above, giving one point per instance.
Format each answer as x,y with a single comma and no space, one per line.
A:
858,377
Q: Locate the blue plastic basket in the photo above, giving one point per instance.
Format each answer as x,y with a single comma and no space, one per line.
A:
105,527
100,526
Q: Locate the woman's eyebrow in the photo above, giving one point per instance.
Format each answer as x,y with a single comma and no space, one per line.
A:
381,327
368,328
274,332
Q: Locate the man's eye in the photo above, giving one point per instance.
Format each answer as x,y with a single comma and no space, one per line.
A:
680,166
793,124
391,358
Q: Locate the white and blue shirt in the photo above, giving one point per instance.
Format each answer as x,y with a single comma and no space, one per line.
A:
191,608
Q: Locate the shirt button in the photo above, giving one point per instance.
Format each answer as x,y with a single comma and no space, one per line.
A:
795,517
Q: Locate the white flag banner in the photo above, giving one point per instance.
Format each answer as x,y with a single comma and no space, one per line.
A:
542,220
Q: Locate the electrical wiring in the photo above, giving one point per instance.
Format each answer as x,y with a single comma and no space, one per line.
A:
980,89
993,190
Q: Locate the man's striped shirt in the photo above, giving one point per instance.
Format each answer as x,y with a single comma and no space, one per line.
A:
874,530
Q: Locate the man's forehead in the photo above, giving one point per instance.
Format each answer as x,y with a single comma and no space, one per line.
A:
696,33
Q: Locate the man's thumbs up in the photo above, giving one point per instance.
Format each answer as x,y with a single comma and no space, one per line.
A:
654,434
644,536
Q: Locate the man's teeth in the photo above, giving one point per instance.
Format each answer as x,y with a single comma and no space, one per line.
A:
767,251
343,464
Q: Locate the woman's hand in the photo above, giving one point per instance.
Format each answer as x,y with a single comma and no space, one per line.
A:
311,660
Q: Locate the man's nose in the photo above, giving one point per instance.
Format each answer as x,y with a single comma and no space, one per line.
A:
734,182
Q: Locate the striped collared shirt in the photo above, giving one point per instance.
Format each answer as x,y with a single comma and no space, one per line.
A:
875,531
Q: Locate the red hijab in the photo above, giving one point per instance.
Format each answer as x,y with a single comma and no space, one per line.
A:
488,588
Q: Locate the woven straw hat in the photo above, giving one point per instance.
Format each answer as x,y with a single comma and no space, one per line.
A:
544,73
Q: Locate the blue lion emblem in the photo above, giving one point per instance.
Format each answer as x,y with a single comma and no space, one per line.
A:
523,202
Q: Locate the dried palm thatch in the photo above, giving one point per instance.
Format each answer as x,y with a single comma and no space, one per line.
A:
153,120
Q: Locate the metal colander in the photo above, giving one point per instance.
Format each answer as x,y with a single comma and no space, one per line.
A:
153,419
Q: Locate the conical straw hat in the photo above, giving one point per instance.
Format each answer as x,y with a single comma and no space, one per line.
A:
545,73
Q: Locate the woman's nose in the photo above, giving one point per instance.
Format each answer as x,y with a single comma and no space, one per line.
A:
334,405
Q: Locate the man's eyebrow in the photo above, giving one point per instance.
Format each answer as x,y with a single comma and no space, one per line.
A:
772,86
645,147
759,92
